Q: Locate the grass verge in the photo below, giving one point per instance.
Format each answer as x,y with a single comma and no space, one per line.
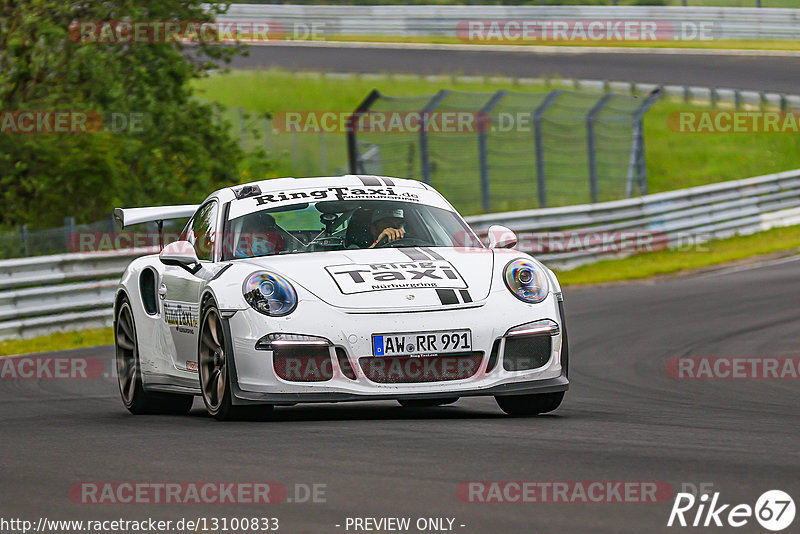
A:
58,341
714,253
708,44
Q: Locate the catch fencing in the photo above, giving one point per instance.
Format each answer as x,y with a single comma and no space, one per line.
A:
560,147
70,291
325,153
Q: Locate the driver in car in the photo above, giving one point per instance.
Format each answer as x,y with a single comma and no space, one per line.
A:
386,224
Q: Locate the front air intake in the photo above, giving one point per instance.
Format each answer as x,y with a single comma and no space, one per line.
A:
298,363
526,352
410,370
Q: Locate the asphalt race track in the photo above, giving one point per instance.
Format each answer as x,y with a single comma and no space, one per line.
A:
758,73
624,419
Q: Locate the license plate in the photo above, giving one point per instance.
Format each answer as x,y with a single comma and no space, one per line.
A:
422,343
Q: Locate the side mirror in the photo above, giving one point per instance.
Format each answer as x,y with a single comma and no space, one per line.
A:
180,254
501,237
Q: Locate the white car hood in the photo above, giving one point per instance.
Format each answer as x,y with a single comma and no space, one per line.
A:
389,278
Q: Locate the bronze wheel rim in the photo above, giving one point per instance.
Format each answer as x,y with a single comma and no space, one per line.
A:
212,361
125,339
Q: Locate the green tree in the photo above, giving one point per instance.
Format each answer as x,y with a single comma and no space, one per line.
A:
177,154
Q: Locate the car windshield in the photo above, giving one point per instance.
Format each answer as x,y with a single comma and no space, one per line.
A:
340,225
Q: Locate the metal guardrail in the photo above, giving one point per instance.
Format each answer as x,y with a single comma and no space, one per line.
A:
44,294
69,291
725,23
674,218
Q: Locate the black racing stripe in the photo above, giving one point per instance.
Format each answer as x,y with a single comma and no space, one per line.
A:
465,296
432,253
414,254
369,180
447,296
388,181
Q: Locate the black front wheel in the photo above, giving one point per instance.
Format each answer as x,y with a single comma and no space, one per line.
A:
530,404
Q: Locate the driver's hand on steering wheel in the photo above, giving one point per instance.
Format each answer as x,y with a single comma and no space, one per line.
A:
391,234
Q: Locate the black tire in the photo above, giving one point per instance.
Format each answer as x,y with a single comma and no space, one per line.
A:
214,372
129,373
530,404
426,403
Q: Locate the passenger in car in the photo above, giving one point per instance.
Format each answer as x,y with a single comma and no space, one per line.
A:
259,236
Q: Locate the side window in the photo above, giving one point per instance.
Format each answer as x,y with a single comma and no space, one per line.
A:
204,230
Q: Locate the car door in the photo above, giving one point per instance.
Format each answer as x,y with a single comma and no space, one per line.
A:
181,289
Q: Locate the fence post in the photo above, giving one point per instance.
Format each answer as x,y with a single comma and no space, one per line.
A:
23,230
69,229
350,126
268,134
538,115
641,159
484,124
425,157
590,120
295,163
638,164
323,164
242,128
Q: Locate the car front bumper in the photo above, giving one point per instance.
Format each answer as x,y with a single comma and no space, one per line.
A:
255,380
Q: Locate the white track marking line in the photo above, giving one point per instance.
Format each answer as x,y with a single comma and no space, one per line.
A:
749,267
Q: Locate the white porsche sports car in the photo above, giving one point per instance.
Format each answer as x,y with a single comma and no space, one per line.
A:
335,289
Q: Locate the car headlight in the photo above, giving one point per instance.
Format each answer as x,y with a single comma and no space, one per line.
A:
270,294
526,280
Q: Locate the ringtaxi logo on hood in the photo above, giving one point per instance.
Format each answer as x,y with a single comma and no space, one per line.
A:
360,278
